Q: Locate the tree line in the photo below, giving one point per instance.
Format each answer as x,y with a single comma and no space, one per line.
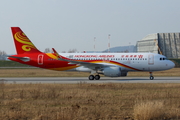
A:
48,50
3,55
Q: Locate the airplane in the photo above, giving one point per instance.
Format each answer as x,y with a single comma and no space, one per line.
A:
108,64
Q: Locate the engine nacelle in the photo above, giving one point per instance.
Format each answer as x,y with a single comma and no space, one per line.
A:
83,69
112,71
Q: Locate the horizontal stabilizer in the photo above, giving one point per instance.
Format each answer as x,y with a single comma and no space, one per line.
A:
25,59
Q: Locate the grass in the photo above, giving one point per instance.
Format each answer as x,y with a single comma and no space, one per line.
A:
6,63
81,101
177,62
149,110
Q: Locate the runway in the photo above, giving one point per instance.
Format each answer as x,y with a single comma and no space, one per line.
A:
73,80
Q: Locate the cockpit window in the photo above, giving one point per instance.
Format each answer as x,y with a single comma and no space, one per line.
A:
163,58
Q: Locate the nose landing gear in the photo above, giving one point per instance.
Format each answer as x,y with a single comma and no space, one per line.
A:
151,76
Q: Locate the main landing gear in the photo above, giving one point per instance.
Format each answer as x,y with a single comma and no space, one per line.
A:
92,77
151,76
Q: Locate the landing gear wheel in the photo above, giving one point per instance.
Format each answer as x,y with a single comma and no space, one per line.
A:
97,77
151,77
91,77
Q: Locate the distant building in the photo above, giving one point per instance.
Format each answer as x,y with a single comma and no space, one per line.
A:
122,49
118,49
166,43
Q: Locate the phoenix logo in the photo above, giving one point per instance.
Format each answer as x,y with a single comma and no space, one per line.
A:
22,38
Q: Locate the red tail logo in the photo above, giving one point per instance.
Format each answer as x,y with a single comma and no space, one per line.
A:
22,42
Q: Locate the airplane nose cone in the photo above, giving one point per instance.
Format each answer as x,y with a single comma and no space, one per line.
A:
171,64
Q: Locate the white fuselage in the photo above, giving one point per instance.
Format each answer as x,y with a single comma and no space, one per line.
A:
127,61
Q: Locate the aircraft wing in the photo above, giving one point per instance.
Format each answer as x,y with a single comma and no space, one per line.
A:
89,65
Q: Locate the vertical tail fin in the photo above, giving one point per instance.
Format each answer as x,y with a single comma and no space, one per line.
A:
22,42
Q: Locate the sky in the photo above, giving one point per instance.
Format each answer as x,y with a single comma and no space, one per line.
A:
73,24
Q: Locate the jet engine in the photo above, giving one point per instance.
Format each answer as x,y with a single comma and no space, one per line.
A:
112,71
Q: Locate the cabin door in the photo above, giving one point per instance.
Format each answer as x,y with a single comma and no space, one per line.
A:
151,59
